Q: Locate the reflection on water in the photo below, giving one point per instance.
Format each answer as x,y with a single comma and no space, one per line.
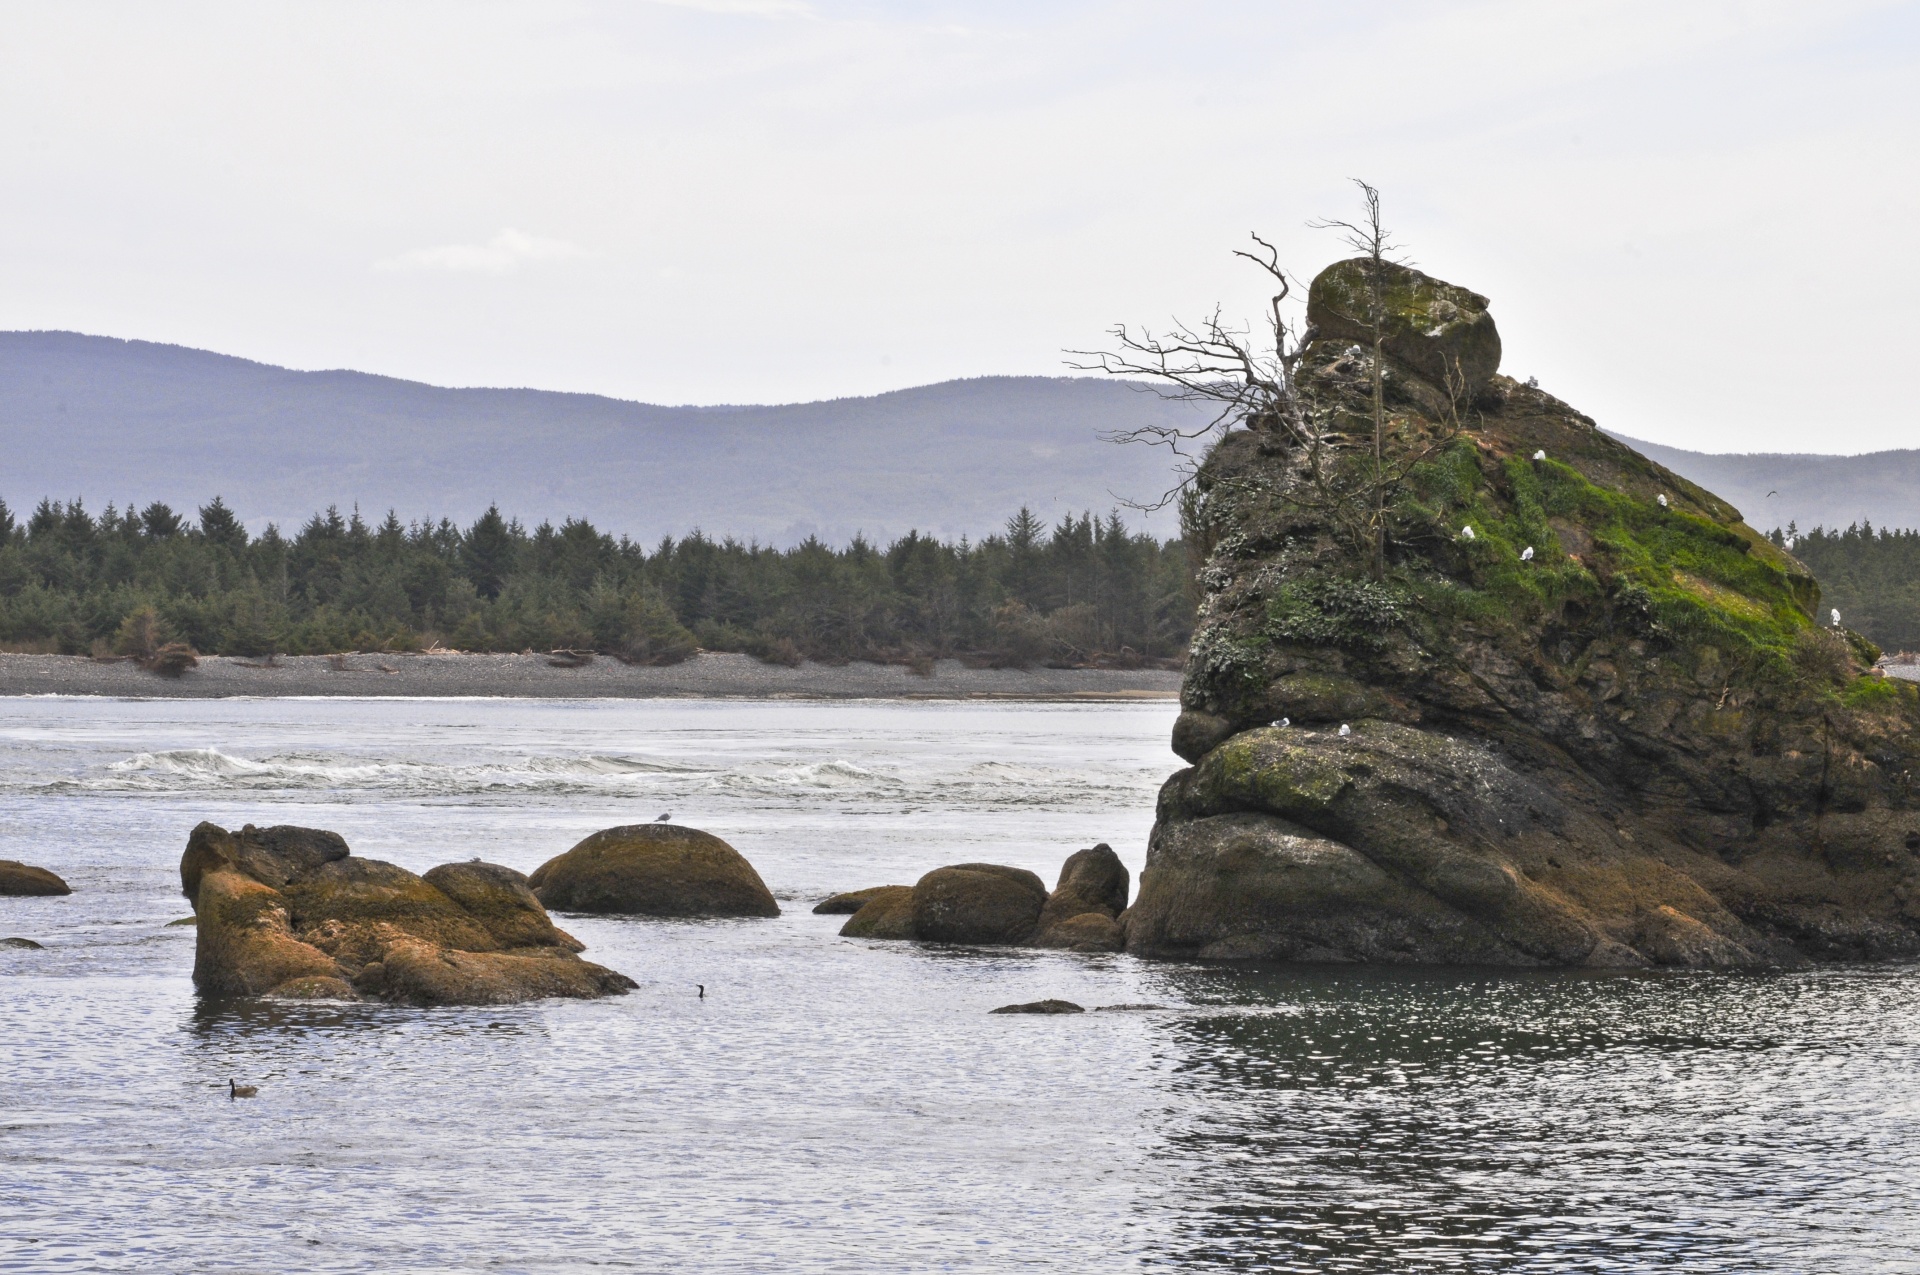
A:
845,1106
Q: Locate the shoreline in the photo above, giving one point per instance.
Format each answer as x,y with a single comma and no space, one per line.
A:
524,676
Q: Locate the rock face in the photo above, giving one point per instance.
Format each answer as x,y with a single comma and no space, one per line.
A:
653,869
288,912
23,879
1572,712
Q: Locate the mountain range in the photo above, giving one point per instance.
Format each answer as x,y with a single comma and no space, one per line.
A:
106,419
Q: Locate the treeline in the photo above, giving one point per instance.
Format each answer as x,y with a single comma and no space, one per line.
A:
1870,576
1087,591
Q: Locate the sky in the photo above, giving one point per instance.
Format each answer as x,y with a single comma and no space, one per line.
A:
1693,218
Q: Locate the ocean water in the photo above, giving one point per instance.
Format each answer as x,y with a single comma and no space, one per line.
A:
835,1105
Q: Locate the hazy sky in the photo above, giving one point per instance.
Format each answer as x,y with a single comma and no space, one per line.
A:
1695,219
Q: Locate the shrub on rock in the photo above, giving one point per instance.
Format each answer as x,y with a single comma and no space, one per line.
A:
653,869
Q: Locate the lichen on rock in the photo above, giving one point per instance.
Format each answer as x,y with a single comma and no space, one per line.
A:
1634,745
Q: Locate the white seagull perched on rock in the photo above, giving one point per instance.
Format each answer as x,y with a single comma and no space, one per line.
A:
1663,500
1836,618
1345,730
1285,721
1466,533
1526,554
1540,455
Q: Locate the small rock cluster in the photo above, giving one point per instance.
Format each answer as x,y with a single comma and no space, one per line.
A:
988,903
289,912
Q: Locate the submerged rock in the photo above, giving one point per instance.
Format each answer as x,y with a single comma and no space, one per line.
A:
653,869
1040,1007
1636,744
24,944
288,912
25,880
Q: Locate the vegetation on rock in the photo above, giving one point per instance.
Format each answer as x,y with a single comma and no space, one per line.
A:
1551,704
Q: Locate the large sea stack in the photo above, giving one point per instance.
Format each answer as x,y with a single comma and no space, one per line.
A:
1567,709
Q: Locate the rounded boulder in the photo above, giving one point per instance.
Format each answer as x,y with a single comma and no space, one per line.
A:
977,903
653,869
23,879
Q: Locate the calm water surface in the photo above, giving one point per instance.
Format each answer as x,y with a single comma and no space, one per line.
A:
844,1106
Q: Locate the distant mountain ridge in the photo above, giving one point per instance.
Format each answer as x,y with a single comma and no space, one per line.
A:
107,419
1773,489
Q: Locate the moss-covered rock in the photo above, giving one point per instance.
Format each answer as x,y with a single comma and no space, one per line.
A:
653,869
1430,327
25,880
1083,911
288,912
886,914
977,903
1593,717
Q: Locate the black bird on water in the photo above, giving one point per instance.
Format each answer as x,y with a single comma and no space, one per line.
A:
703,990
665,817
240,1091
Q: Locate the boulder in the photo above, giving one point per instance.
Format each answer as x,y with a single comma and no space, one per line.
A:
1092,880
1040,1007
852,900
887,914
1084,932
1612,726
977,903
290,913
1435,329
653,869
1082,914
22,879
24,944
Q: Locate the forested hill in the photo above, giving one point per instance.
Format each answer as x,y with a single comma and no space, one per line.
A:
135,422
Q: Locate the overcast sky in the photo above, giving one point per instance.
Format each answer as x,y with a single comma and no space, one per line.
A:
1695,219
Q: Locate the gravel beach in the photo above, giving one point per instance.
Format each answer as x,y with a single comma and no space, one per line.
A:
536,677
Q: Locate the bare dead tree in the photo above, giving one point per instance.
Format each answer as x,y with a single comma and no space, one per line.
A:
1372,240
1254,383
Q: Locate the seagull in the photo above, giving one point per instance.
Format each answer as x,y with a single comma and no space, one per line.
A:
1836,617
1540,455
1663,500
665,817
1526,554
1345,730
1466,533
240,1091
1285,721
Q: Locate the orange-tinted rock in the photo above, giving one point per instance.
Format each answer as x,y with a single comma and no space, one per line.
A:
23,879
